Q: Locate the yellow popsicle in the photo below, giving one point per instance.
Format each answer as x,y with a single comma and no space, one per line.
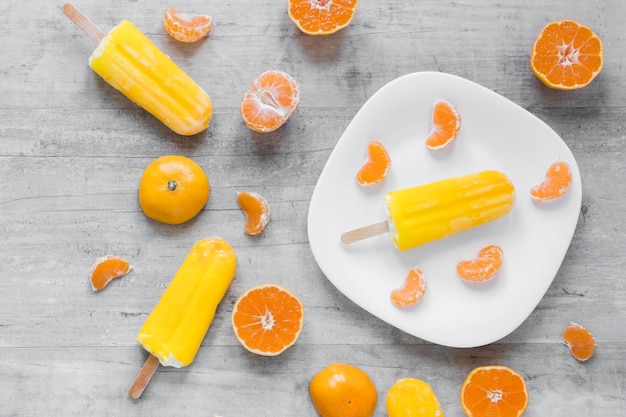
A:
132,64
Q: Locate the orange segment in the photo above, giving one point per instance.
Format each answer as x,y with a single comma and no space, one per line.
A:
376,166
256,210
567,55
271,99
321,17
186,27
104,270
411,291
267,319
483,267
494,391
445,125
580,341
555,184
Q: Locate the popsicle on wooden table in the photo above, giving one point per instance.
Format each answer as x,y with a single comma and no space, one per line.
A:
174,331
424,213
132,64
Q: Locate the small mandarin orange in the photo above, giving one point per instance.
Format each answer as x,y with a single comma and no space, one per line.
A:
494,391
321,17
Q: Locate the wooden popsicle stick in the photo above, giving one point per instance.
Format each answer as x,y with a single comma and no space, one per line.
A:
144,376
365,232
83,22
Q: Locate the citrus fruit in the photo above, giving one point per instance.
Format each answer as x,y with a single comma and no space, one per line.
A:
106,269
376,166
483,267
494,391
186,27
256,209
580,341
267,319
270,100
445,125
567,55
321,17
555,183
411,291
410,397
343,390
173,189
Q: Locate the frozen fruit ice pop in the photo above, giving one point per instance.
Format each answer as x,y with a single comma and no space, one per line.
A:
127,60
424,213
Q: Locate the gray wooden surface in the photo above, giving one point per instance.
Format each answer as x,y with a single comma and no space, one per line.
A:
72,150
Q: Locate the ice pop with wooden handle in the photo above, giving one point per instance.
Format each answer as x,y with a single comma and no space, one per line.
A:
424,213
132,64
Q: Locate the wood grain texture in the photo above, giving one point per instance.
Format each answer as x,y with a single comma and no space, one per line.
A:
72,150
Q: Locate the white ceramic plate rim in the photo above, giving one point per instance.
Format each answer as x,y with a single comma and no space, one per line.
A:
495,134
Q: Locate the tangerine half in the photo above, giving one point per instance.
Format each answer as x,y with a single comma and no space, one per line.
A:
411,291
494,391
256,209
555,184
105,269
483,267
376,166
567,55
186,27
267,319
321,17
580,341
272,97
445,125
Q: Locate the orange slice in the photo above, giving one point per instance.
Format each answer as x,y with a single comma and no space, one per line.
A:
567,55
445,125
580,341
321,17
494,391
483,267
256,210
555,184
270,100
104,270
267,319
186,27
376,166
411,291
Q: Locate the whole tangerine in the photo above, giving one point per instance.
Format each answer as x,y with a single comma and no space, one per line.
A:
173,189
343,390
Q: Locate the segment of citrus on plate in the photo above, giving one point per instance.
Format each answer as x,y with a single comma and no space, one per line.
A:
267,319
555,184
321,17
105,269
343,390
256,209
483,267
494,391
173,189
580,341
411,397
185,27
445,125
376,166
272,97
567,55
411,291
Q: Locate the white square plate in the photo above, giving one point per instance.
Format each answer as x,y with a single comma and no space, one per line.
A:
495,134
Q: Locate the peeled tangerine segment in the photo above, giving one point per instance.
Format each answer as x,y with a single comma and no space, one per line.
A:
483,267
432,211
132,64
555,184
185,27
176,327
376,166
104,270
445,125
580,341
412,290
256,210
